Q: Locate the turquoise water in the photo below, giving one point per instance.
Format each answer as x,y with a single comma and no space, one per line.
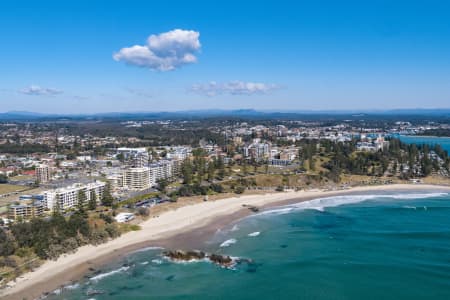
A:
378,246
443,141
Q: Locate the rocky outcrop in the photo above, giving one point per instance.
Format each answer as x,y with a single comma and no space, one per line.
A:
221,260
185,255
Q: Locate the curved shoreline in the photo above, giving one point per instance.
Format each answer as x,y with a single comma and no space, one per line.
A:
182,227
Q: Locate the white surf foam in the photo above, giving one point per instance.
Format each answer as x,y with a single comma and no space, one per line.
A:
157,261
57,291
72,286
147,249
416,196
322,203
228,243
187,262
104,275
256,233
235,228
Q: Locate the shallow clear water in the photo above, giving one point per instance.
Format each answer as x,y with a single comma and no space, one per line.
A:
391,246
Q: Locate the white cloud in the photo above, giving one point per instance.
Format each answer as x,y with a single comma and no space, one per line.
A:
36,90
163,52
233,88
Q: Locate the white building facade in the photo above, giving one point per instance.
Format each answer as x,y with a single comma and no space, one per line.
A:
67,197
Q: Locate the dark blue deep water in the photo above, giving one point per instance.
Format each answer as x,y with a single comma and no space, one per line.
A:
378,246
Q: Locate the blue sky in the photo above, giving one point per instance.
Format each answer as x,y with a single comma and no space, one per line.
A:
74,56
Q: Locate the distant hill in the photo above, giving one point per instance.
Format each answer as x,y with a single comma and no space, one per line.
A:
240,113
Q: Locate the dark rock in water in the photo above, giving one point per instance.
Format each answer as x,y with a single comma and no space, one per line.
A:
221,260
179,255
91,269
170,277
185,256
283,246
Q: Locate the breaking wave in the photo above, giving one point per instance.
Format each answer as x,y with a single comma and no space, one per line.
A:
72,286
104,275
157,261
228,243
321,203
256,233
235,228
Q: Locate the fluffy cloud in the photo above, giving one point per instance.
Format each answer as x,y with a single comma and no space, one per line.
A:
36,90
233,88
163,52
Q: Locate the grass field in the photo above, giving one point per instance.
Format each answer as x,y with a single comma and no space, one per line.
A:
21,177
8,188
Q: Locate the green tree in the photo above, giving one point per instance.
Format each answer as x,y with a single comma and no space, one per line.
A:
162,185
3,178
81,201
92,205
244,167
107,199
211,171
186,171
120,157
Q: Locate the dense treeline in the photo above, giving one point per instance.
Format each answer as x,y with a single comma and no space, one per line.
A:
152,134
24,148
404,160
49,238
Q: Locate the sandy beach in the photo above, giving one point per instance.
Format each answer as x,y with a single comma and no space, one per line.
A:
174,228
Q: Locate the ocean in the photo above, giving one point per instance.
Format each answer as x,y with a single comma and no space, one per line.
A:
385,245
430,140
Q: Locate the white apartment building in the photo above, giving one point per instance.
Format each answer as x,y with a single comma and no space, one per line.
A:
163,169
179,153
140,160
257,150
116,181
42,173
67,197
130,152
137,157
136,178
